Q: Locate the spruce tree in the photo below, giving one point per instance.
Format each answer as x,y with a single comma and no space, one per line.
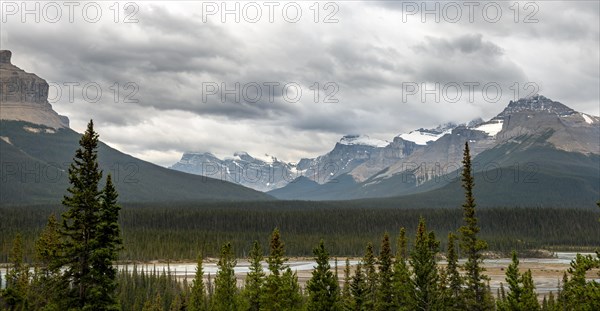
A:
89,231
402,283
385,292
198,299
358,290
551,302
578,293
346,294
370,277
521,290
105,247
515,288
475,294
426,294
48,282
255,279
529,299
154,304
281,291
17,278
292,294
454,300
225,297
323,288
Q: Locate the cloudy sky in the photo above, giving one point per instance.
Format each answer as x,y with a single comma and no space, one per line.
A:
191,79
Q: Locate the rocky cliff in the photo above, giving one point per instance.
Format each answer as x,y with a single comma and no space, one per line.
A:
24,96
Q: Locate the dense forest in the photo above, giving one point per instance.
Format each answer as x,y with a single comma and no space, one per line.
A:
70,260
181,231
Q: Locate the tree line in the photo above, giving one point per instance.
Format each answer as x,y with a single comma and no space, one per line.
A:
180,232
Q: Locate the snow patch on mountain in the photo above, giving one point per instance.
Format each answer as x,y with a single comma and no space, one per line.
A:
6,139
587,119
420,137
491,128
363,140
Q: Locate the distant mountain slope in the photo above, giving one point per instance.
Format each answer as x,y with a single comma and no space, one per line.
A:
34,160
535,152
535,176
242,169
544,177
303,188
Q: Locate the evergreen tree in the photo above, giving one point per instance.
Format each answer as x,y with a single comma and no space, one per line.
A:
89,231
255,279
529,299
501,297
105,250
426,295
475,294
358,290
154,304
176,304
578,293
292,298
47,283
17,278
281,285
81,220
561,297
385,292
209,288
544,303
346,294
515,287
402,284
47,247
225,298
370,278
454,298
521,295
552,306
323,288
198,299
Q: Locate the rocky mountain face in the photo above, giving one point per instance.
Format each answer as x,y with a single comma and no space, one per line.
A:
356,155
359,166
571,131
534,132
568,130
24,96
349,153
242,169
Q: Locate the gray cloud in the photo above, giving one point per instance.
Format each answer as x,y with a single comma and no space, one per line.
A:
369,54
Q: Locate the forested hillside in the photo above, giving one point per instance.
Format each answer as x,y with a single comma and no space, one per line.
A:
35,158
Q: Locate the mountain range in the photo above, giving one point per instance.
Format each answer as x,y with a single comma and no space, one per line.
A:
530,153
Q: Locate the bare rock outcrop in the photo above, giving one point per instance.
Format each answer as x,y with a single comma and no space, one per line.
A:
24,96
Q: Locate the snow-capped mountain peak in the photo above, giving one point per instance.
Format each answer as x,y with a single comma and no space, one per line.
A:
423,136
535,103
364,140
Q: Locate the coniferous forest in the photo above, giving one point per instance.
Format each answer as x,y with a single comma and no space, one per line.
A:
67,264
